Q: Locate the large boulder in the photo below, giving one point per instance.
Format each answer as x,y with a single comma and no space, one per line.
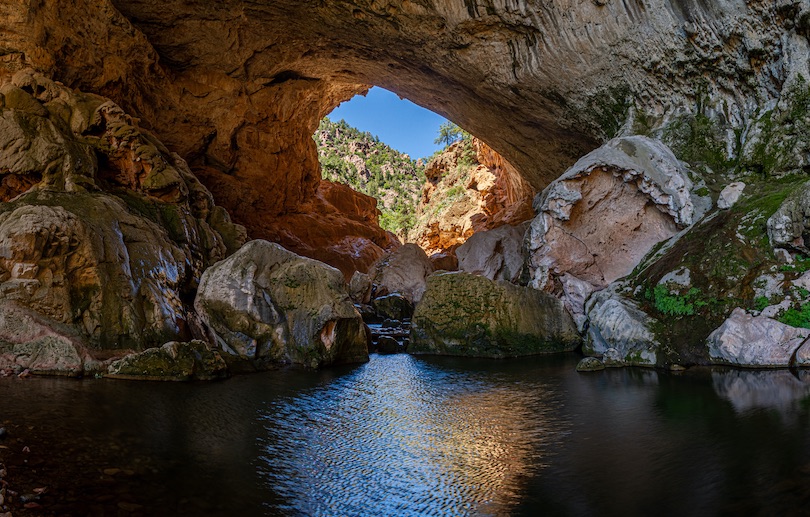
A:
404,271
789,226
617,327
265,304
495,254
171,362
468,315
604,214
758,341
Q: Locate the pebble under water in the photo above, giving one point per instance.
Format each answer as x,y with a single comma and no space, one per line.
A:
412,436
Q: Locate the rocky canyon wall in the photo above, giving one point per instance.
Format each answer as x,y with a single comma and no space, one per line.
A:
237,88
127,125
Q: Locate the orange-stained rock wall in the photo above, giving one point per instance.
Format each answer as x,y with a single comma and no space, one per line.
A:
494,194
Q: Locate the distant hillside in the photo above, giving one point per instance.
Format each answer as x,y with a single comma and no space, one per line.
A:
361,161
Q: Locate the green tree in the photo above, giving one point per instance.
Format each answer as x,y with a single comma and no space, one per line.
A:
448,134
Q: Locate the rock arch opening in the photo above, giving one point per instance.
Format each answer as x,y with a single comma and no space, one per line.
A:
457,186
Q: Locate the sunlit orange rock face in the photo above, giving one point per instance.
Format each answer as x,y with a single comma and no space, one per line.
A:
337,226
468,194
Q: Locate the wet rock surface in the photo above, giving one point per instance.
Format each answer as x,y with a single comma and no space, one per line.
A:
390,336
172,362
590,364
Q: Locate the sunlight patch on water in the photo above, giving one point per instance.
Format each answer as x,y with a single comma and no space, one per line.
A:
401,437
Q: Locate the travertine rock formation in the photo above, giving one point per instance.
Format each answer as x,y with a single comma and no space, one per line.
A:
237,88
603,215
104,233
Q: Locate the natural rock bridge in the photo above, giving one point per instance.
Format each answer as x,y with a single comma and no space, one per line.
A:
238,87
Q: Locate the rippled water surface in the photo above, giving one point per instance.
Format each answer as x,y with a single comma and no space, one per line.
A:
413,436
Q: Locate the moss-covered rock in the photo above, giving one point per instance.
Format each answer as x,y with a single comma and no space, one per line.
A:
691,284
173,361
467,315
265,304
393,306
777,142
590,364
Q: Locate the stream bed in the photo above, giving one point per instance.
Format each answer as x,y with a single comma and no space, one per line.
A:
413,436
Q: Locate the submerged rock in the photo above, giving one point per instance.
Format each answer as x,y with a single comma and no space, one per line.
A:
389,345
758,341
469,315
265,304
171,362
590,364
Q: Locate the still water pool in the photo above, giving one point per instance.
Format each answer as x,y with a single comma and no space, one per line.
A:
410,436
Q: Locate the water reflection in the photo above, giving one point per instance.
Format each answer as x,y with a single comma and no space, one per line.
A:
748,390
408,436
402,437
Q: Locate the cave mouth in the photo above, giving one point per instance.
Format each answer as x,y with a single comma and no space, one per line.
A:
379,144
435,183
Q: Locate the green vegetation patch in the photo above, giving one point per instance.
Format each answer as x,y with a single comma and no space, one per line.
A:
359,160
797,317
672,304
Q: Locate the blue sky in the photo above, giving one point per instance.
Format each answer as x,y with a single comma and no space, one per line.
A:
401,124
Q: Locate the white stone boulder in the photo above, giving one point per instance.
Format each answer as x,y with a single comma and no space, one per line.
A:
758,341
617,323
495,254
730,195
